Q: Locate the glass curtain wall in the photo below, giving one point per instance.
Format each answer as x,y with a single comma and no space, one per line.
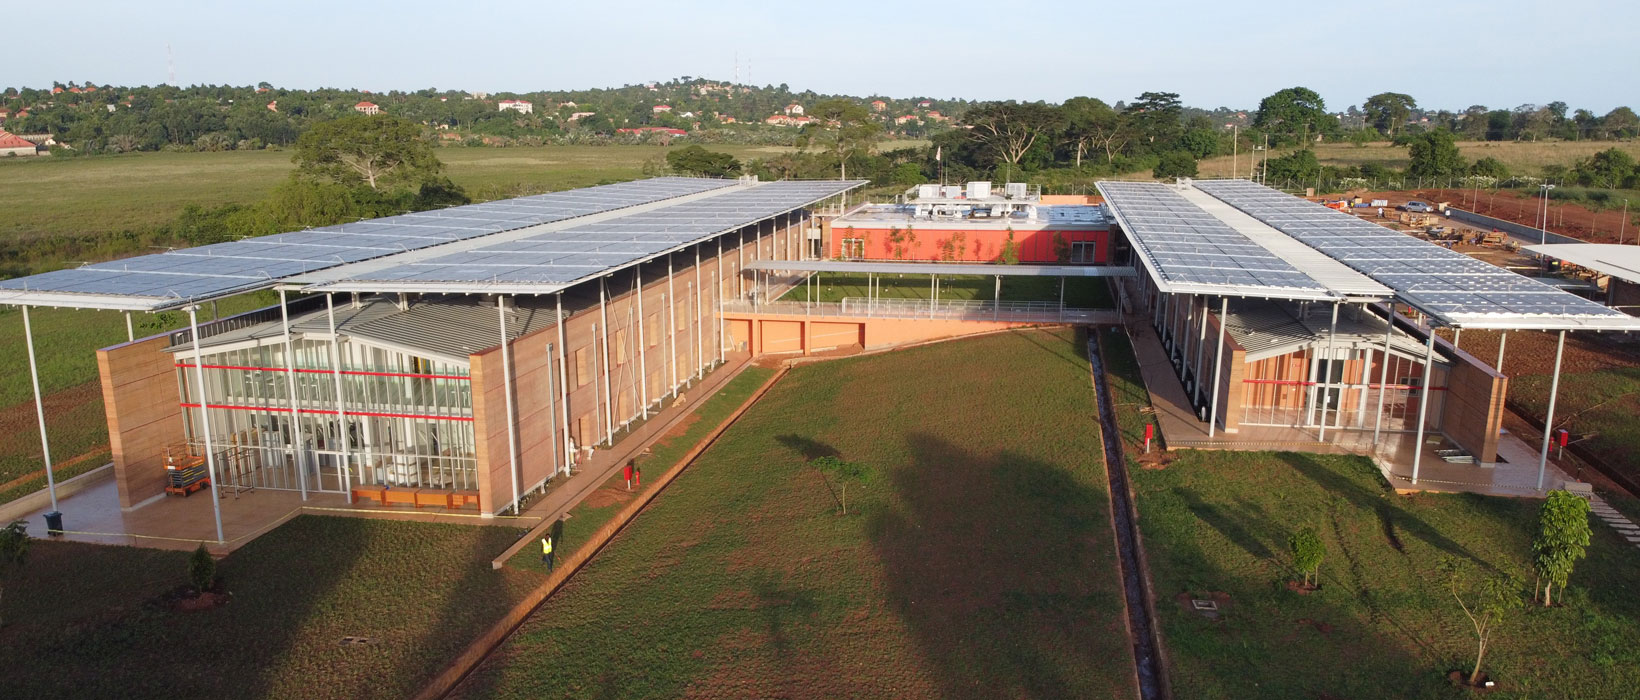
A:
407,421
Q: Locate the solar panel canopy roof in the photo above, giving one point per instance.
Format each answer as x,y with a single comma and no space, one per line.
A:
1189,251
560,256
1454,288
180,277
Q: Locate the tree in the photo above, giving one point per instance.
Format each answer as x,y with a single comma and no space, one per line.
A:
1156,116
1611,168
1490,167
374,151
1620,123
1010,249
202,569
845,472
694,160
1562,539
1308,549
1485,605
1434,154
1089,123
1388,111
14,543
1293,112
1175,164
843,128
1299,166
1009,129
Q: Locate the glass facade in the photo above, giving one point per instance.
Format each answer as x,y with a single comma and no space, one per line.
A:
404,420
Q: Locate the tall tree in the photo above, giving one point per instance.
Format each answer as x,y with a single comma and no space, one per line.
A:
1010,129
1388,111
1434,154
1485,605
375,151
694,160
843,128
1156,116
1291,113
1620,123
1090,123
1562,539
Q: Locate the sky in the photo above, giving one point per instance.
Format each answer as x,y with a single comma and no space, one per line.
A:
1445,53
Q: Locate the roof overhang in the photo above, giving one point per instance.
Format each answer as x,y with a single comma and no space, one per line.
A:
1620,261
936,268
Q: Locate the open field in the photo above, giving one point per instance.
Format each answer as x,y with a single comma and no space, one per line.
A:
1215,526
1080,292
978,562
109,194
98,620
1522,157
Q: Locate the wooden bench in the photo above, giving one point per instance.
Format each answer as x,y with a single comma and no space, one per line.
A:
432,497
392,495
459,499
373,492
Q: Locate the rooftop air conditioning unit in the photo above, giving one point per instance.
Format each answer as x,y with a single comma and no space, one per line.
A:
1015,190
951,191
928,191
979,190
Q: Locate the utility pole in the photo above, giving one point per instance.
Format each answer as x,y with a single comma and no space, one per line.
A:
1235,143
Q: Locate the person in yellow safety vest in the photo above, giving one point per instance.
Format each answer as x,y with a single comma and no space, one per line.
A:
546,551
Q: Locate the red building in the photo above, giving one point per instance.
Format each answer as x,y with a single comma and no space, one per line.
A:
973,224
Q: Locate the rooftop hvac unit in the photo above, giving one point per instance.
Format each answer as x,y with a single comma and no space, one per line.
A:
979,190
952,191
1015,190
928,191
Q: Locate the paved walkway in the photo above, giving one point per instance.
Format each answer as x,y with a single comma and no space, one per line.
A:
1618,521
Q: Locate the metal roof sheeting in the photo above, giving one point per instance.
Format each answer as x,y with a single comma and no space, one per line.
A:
179,277
1620,261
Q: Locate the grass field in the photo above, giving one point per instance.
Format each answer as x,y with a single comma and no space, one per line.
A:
1522,157
95,619
1382,626
978,563
1080,292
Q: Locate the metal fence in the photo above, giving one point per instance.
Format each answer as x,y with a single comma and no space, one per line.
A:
945,309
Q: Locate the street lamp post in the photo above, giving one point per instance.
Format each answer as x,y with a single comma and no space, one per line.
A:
1544,229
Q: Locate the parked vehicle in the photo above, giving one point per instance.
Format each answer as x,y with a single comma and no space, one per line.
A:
1417,206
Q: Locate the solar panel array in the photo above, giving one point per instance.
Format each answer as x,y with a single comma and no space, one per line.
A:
566,255
1441,282
1193,251
178,276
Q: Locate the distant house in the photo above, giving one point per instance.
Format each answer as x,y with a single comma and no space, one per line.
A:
367,108
906,118
687,115
925,103
578,116
878,105
568,104
727,120
794,110
4,114
652,130
784,120
273,106
14,145
519,106
936,116
662,108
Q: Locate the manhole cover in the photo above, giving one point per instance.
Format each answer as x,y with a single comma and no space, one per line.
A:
1204,605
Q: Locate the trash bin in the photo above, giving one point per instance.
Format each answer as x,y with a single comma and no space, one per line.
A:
54,523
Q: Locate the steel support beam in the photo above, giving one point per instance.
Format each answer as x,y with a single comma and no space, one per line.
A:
513,467
204,420
1218,368
1549,416
1423,404
290,387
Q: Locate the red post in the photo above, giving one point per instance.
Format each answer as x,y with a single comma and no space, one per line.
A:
1150,432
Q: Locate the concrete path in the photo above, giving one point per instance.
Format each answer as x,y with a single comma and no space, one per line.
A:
1617,520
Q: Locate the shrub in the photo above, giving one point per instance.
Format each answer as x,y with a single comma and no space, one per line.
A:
202,569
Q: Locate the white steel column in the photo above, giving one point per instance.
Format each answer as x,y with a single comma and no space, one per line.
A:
1326,374
1503,339
513,467
1383,374
740,265
1218,368
717,298
643,363
1423,404
40,412
671,327
204,418
1549,417
552,414
563,386
700,336
609,389
290,385
341,407
1457,338
131,331
1201,350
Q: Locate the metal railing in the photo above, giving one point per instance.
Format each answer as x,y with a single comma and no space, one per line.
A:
945,309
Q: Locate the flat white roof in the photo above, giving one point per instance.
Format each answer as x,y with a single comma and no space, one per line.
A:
1620,261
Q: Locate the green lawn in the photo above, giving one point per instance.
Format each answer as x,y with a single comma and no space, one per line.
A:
91,618
1215,524
978,563
1080,292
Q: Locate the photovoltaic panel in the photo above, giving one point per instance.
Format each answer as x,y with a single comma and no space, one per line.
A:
1191,251
1453,287
567,255
177,277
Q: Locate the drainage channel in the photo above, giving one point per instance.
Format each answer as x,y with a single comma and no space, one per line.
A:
1152,685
